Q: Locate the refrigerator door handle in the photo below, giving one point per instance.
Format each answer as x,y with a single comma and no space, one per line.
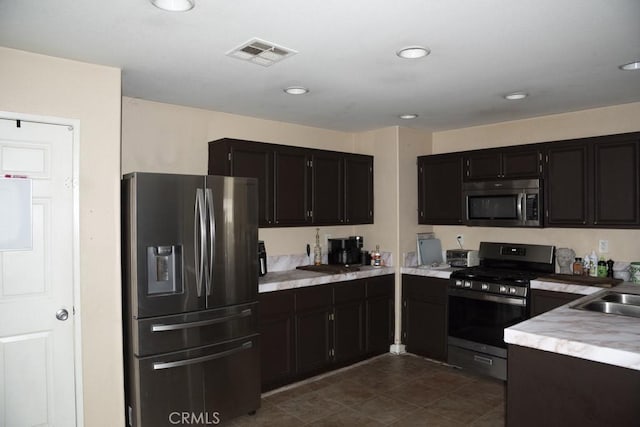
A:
185,362
177,326
199,244
212,237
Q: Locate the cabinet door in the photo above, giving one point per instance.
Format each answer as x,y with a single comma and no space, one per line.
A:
291,196
358,189
327,182
521,162
348,320
379,311
440,189
425,316
543,301
232,157
566,184
616,178
313,328
483,165
277,335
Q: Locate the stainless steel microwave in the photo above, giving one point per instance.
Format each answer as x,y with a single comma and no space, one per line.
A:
509,203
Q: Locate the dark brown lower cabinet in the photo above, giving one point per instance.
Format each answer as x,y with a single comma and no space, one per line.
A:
277,353
379,314
424,322
314,329
543,301
550,389
348,321
313,336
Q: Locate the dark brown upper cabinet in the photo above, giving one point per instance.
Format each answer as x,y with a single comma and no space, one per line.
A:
358,195
300,186
233,157
440,189
616,173
327,181
593,182
566,184
503,163
291,186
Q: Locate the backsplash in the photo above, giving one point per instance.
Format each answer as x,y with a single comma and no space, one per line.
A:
290,262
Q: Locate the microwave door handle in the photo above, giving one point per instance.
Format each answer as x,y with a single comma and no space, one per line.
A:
521,216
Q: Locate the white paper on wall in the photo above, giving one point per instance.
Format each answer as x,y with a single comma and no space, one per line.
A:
15,214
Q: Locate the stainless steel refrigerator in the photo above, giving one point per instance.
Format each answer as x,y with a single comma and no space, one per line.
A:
190,290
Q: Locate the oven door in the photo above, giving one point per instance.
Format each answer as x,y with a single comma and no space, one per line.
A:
476,323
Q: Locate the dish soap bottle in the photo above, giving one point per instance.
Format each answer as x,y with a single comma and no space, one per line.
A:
317,249
593,261
602,267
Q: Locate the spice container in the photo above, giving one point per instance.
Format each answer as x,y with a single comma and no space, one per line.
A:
577,267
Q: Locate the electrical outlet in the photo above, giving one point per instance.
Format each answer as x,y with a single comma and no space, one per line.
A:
603,246
460,240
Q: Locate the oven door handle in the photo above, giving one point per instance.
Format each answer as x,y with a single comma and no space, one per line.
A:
487,297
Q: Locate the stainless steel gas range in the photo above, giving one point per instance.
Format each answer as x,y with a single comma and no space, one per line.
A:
486,299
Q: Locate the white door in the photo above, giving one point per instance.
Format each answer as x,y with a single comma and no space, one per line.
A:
37,383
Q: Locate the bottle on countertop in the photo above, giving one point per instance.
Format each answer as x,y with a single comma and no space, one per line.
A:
602,267
317,249
577,267
593,271
375,257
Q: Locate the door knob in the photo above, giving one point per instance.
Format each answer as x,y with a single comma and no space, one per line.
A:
62,314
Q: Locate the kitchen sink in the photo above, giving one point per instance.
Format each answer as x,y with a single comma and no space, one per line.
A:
613,303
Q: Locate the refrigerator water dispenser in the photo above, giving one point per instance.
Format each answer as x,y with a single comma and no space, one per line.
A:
164,270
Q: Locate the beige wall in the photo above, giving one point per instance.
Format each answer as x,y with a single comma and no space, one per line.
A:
623,244
42,85
159,137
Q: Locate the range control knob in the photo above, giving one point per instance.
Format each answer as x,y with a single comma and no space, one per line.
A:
503,289
512,290
467,284
458,282
485,287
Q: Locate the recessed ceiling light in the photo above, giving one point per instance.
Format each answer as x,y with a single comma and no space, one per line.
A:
174,5
516,96
631,66
408,116
296,90
413,52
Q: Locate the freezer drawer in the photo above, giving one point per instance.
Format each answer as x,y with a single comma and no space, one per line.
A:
182,331
207,385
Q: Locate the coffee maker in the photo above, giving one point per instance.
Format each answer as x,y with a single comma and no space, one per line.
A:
345,251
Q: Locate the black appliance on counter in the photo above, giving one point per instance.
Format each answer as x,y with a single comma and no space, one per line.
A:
485,299
190,298
345,251
262,259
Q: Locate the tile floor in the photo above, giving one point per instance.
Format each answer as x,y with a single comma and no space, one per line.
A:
403,390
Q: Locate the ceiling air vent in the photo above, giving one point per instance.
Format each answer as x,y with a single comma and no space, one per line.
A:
261,52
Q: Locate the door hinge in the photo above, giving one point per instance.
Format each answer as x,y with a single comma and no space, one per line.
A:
229,156
331,352
309,214
547,158
331,316
404,303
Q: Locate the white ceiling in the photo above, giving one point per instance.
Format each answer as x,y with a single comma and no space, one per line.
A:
565,53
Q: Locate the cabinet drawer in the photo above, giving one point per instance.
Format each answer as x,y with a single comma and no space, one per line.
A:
276,302
348,291
380,286
425,288
313,297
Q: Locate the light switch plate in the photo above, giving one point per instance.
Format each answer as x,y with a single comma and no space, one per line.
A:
603,246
